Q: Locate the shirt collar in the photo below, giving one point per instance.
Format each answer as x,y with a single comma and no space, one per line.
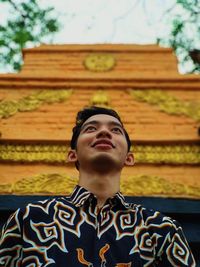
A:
80,195
121,199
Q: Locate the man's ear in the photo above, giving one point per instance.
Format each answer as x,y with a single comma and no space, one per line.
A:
129,159
72,156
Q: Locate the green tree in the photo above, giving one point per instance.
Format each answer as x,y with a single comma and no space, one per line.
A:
28,24
184,37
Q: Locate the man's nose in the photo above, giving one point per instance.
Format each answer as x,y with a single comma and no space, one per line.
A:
104,132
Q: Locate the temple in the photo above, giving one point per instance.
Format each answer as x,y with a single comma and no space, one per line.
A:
160,109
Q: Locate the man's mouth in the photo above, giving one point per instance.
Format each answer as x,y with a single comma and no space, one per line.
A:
103,144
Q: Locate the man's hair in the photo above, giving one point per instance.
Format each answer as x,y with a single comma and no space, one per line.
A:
88,112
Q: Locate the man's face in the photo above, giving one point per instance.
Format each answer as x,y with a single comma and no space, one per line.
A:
102,143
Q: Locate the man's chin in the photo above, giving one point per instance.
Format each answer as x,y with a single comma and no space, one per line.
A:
104,162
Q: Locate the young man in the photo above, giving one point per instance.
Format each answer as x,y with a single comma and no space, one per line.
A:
94,226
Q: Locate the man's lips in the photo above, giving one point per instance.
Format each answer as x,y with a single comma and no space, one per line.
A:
103,143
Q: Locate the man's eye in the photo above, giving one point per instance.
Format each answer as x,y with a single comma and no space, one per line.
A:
90,129
116,130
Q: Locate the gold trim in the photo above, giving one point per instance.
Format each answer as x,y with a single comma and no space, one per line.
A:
167,103
169,154
99,62
59,184
154,154
33,101
33,153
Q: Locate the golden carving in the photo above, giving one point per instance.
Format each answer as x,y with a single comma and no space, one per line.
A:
45,183
167,103
33,101
99,62
59,184
6,189
145,185
33,153
100,98
155,154
8,108
174,154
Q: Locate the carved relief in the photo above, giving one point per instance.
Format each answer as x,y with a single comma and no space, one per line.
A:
167,103
100,98
58,184
99,62
33,101
159,154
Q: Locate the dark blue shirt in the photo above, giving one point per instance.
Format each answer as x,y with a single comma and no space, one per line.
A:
71,231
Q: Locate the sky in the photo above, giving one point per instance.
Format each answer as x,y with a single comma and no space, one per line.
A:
110,21
106,21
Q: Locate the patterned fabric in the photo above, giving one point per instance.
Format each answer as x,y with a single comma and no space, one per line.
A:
71,231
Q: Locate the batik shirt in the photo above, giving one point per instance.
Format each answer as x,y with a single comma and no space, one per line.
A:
73,232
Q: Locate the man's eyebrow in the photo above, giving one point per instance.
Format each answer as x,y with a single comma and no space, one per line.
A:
116,124
94,122
88,123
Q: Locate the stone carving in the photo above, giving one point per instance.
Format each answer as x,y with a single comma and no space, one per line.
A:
167,103
100,98
99,62
59,184
159,154
33,101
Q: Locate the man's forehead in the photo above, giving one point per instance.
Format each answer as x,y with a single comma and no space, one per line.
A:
102,118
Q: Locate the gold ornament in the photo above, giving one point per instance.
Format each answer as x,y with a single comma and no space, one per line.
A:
59,184
100,98
155,154
33,101
8,108
99,62
167,103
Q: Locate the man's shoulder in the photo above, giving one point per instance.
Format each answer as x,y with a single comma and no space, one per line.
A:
44,207
151,216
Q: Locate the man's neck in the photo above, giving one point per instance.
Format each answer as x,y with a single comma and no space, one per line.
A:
102,186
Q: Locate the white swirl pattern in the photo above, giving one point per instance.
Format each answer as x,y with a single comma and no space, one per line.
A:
49,233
